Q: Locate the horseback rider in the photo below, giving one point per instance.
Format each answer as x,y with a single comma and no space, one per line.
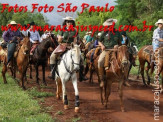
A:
11,38
157,38
107,40
34,37
65,38
125,40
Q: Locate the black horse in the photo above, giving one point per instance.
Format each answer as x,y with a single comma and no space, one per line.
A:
40,56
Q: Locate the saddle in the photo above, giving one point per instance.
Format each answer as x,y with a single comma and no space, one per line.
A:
60,49
97,52
110,57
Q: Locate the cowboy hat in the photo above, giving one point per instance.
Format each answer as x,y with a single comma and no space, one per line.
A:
99,34
109,22
32,23
160,21
69,18
13,23
90,32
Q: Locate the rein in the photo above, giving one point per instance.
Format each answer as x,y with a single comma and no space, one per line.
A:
64,62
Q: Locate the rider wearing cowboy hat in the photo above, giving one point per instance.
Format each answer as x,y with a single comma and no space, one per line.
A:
34,37
64,38
11,37
107,40
158,35
157,38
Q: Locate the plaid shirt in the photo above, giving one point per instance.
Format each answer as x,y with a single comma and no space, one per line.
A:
157,34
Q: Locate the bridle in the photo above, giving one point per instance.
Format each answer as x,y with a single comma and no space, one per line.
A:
73,63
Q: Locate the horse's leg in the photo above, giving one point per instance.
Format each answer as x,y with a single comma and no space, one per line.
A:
91,74
74,82
147,72
22,80
65,100
162,81
142,63
43,73
121,95
86,69
4,70
37,80
129,70
107,91
138,72
59,88
30,71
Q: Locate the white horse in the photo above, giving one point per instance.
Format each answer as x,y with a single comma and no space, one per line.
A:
66,70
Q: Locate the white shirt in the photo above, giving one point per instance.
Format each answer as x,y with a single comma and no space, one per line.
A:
34,36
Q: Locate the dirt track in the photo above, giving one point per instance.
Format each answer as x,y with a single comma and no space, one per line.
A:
138,101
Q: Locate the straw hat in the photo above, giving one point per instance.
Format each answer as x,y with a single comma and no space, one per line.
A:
69,18
13,23
99,34
160,21
109,22
90,32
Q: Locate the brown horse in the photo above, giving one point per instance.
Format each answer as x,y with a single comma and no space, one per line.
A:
158,66
91,66
20,60
144,56
118,65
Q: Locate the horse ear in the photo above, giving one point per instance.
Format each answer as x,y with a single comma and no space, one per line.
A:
72,45
22,35
29,34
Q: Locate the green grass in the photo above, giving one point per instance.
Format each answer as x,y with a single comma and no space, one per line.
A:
35,93
59,113
76,119
17,105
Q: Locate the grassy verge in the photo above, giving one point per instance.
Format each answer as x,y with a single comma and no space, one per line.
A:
17,105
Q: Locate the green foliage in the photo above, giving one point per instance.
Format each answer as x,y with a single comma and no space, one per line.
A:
128,12
4,17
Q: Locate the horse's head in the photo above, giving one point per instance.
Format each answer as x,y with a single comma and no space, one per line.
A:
75,55
50,43
26,44
123,56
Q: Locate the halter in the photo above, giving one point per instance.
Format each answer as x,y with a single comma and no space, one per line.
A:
64,62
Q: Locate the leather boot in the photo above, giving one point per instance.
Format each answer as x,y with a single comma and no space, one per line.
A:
52,67
101,75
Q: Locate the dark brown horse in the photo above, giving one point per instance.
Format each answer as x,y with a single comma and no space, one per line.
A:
144,56
118,63
40,56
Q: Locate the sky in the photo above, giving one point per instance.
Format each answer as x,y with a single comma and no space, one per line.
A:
55,17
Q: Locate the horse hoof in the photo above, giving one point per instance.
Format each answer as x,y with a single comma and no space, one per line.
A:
76,109
122,109
58,97
65,107
127,84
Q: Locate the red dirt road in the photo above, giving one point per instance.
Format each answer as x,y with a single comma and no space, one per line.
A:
138,101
